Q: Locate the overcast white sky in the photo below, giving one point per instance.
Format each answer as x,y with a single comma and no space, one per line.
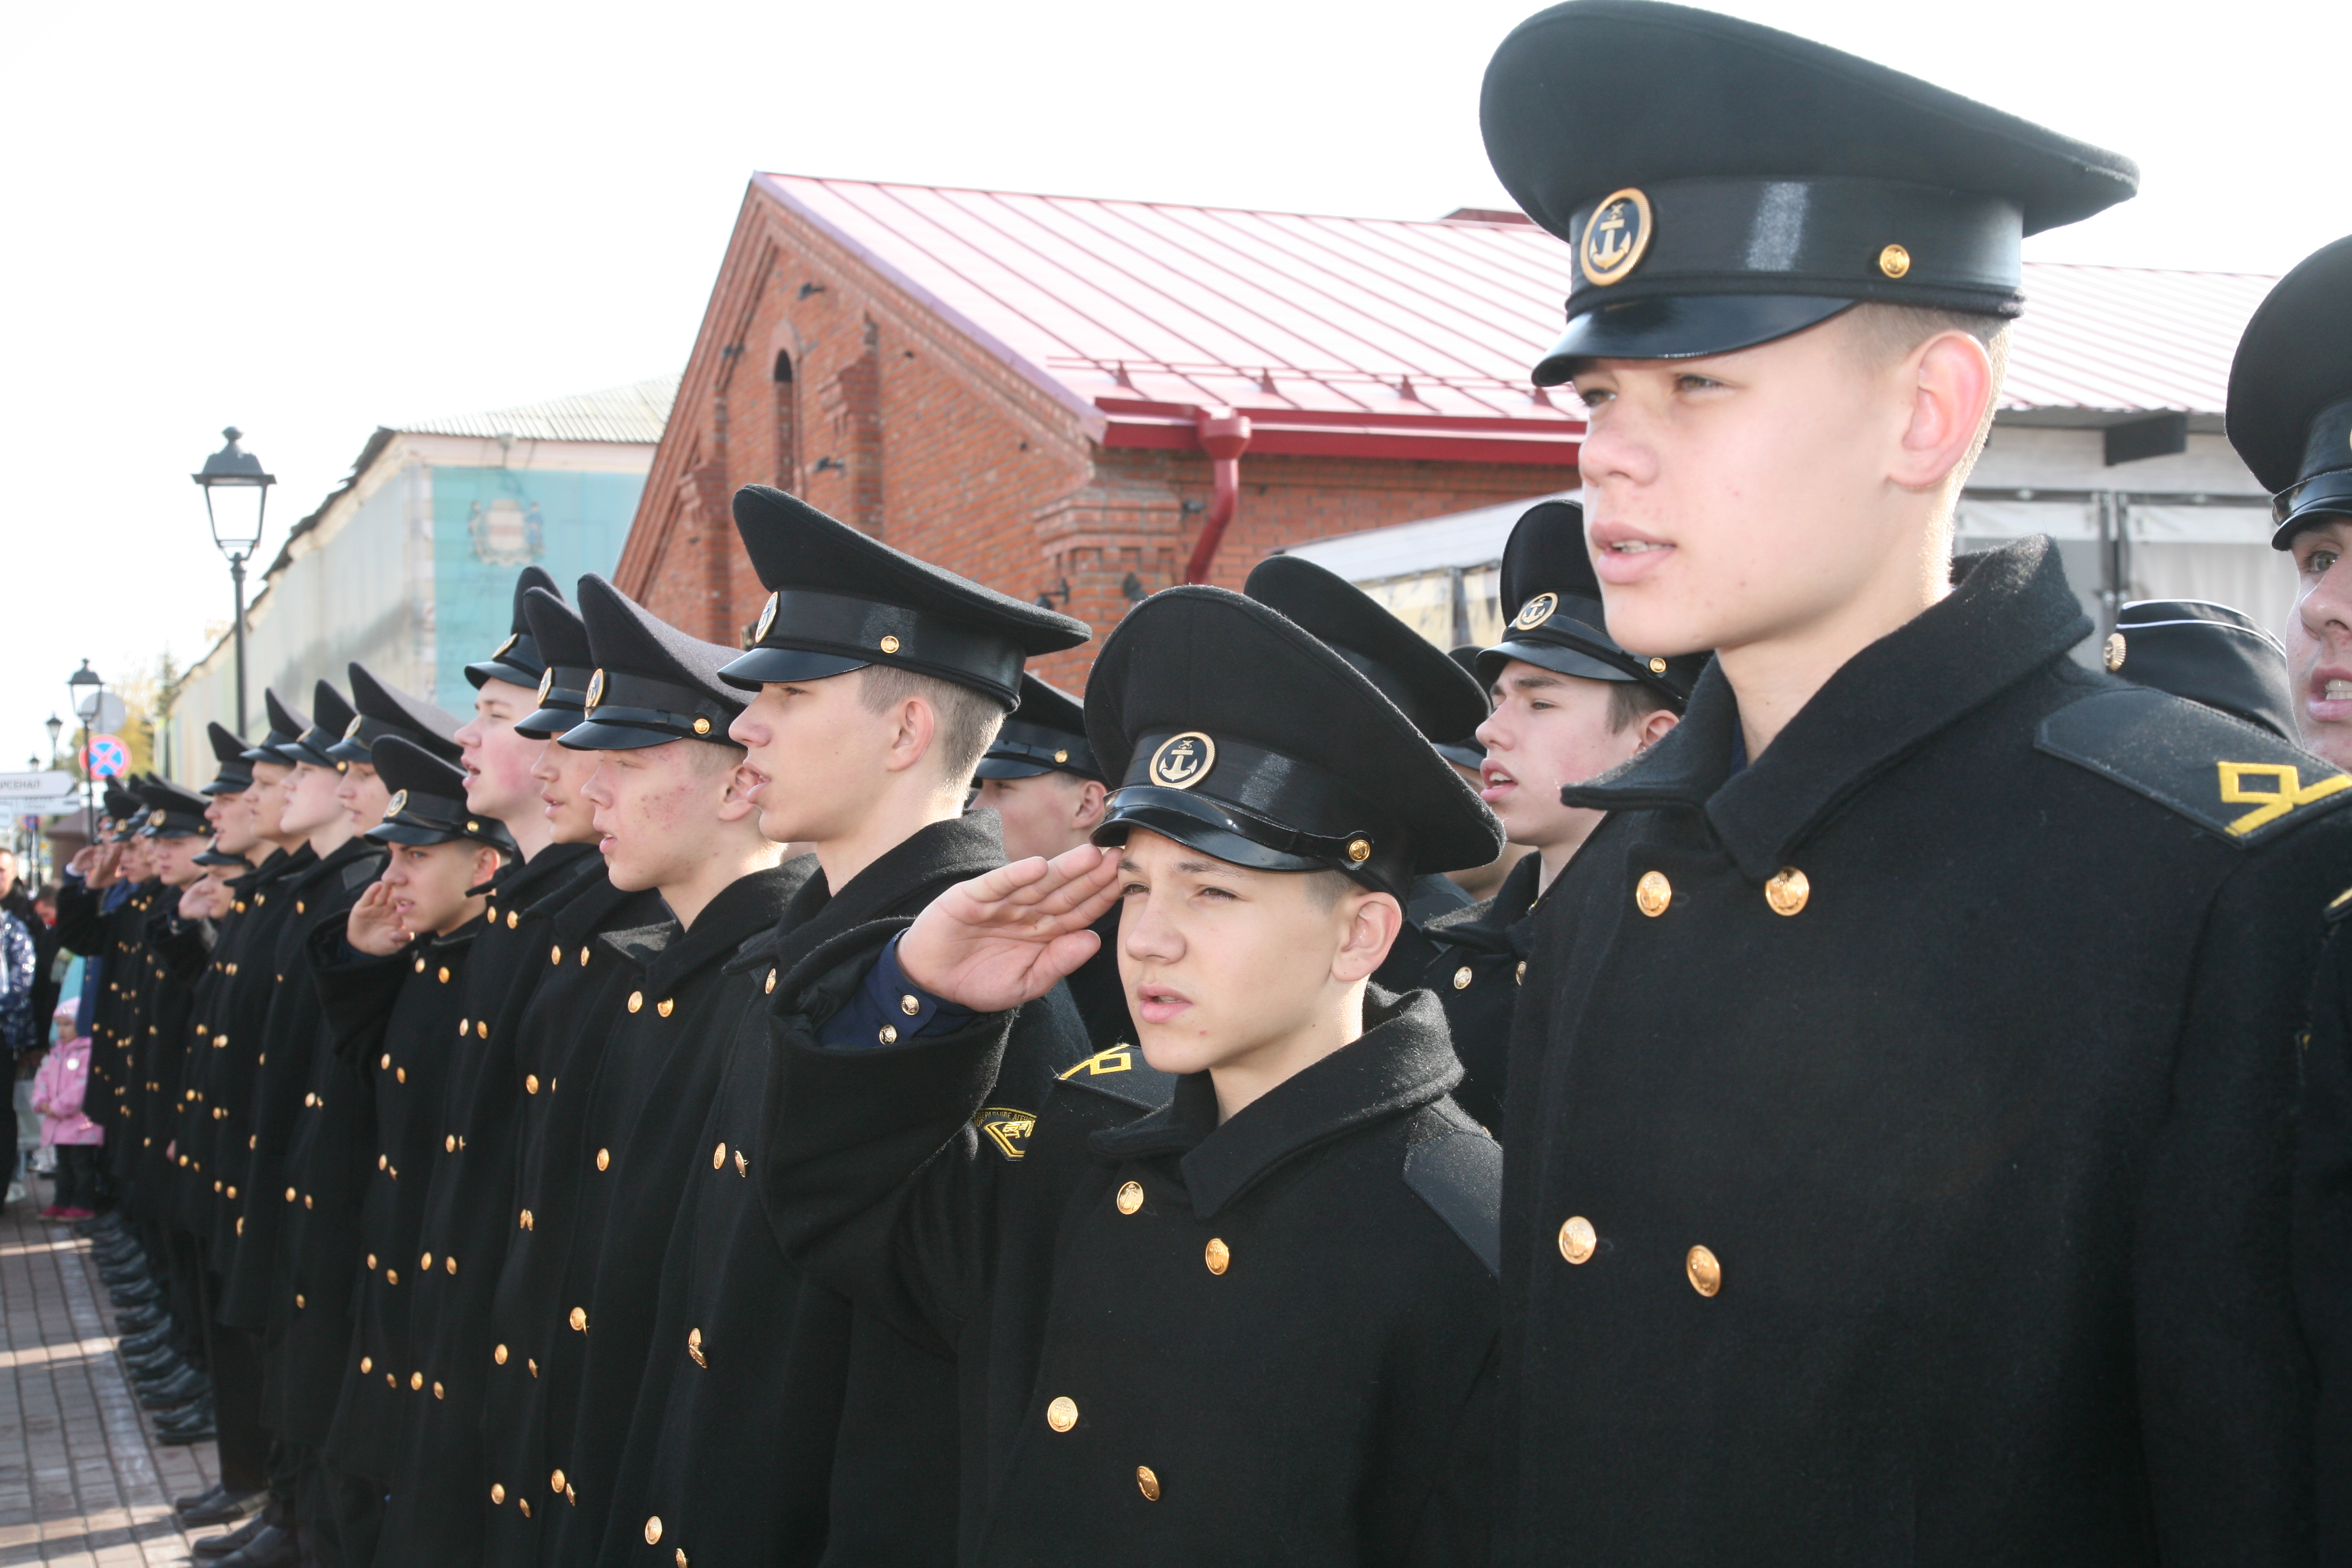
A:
311,219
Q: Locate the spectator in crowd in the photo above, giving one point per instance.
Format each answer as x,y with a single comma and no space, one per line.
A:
56,1094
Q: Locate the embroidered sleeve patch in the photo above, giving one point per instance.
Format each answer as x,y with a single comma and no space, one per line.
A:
1007,1128
2237,780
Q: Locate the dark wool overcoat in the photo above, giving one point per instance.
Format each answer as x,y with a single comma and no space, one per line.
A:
1476,961
2323,1229
774,1425
1899,1125
237,1019
1270,1341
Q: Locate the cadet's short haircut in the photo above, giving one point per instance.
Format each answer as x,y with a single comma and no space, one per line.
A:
968,720
1884,333
1631,701
714,756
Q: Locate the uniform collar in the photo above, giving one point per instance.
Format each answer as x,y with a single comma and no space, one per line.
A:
1404,1060
2009,615
743,908
902,880
522,882
1495,924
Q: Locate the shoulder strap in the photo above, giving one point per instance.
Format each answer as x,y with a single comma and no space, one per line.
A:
1460,1174
1120,1073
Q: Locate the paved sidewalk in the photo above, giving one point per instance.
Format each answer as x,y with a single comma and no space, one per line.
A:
82,1479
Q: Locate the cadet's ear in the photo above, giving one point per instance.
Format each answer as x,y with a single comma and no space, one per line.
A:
1949,380
1653,727
1373,922
1091,799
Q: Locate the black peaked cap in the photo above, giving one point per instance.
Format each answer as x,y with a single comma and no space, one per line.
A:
428,800
235,773
518,660
1467,751
121,805
652,683
1551,600
2289,408
1230,729
171,812
1725,183
287,723
331,716
839,600
218,857
1413,672
382,708
563,640
1047,734
2210,654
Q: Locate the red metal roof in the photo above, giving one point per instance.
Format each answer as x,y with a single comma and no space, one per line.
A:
1382,337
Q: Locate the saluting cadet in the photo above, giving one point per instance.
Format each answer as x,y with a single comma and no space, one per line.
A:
2290,417
434,1513
393,983
1262,1316
1903,1081
330,1153
773,1425
1041,779
1569,705
553,1034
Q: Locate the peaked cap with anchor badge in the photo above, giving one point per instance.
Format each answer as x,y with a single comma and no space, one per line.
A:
2208,653
652,684
331,717
287,723
839,601
1553,599
123,809
517,661
236,775
171,812
562,639
1724,183
1413,672
2290,407
1047,734
428,800
1235,731
383,709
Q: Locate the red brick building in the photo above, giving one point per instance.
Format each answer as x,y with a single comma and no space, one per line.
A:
1026,389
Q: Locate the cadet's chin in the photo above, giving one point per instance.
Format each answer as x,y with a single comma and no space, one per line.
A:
1171,1051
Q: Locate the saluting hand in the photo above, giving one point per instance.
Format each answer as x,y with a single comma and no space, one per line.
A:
375,926
203,900
1005,938
107,869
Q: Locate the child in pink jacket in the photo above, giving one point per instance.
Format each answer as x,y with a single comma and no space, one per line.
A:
58,1089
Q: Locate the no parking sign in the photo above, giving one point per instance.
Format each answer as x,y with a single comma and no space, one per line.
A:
105,757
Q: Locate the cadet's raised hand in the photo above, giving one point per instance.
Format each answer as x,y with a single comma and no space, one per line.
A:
203,900
1005,938
375,926
105,869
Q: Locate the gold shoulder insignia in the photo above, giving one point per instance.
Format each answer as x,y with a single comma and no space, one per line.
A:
2340,900
2235,779
1119,1058
2285,792
1006,1127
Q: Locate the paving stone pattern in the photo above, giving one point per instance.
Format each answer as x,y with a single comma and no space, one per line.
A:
82,1479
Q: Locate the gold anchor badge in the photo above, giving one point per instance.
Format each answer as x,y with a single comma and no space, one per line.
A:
546,682
396,804
596,689
1534,612
1615,238
1183,761
2287,792
767,619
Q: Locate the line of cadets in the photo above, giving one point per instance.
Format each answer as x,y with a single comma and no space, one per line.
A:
656,1122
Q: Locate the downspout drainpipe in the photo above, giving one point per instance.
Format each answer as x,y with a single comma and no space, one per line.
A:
1225,436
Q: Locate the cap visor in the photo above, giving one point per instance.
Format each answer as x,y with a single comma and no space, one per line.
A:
769,666
1198,823
1462,756
349,750
225,786
589,735
547,723
1548,656
1008,768
1681,327
2325,498
498,670
268,755
403,833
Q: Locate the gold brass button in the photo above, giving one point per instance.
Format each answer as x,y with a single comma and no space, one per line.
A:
1788,890
771,985
1705,1273
1895,262
652,1528
909,1006
888,1034
436,1390
2112,654
636,1000
555,954
694,1346
555,1482
415,1382
523,1221
499,1355
1576,1239
482,1028
701,726
426,1261
889,645
1130,1196
449,1264
580,1320
742,1166
444,976
1147,1483
289,1192
604,1158
390,1381
497,1493
514,919
384,1060
531,1362
420,966
449,1145
298,1303
371,1263
664,1005
1063,1414
392,1276
461,1029
1217,1256
367,1363
1657,666
531,1083
1462,978
1359,851
523,1503
719,1156
1653,893
584,958
400,1075
681,1557
1520,977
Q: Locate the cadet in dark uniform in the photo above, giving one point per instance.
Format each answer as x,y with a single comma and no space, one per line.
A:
1905,1068
1264,1315
393,983
2208,653
1041,779
2290,417
774,1425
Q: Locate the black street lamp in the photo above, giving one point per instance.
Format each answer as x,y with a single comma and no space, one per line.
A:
53,724
88,686
236,491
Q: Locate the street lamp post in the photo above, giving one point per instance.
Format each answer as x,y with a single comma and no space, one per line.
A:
53,724
237,492
88,686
